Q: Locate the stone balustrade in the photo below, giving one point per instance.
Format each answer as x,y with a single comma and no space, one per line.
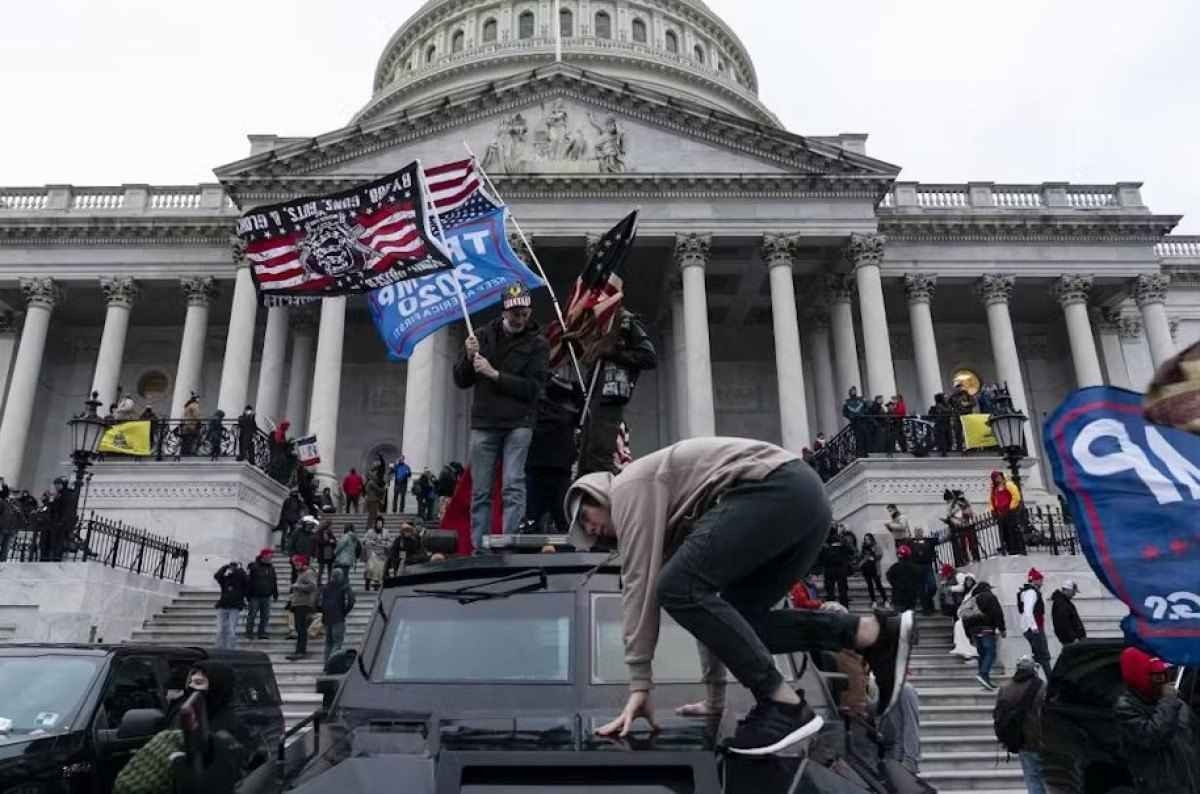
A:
205,198
908,197
1179,247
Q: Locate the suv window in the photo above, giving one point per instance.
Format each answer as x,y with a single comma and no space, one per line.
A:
676,660
517,639
132,685
43,693
255,686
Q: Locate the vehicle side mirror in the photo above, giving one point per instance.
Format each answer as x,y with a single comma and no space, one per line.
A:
140,723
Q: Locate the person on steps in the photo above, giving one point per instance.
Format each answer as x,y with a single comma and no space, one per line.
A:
983,621
263,589
1064,616
1032,610
715,531
304,600
906,578
337,599
868,565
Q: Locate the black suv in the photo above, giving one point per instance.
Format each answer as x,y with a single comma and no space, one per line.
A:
72,715
489,675
1080,750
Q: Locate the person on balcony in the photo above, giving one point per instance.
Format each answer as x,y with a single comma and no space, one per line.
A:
1005,502
216,431
247,427
189,428
943,417
877,425
854,409
961,403
897,409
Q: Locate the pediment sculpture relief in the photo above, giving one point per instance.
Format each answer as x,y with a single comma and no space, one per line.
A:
558,144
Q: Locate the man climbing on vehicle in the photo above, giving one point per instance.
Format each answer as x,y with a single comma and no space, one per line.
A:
716,531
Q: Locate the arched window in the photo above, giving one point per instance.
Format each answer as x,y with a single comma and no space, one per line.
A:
525,25
489,31
603,25
566,23
639,31
672,42
698,54
457,41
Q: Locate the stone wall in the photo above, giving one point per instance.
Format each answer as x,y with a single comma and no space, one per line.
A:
78,601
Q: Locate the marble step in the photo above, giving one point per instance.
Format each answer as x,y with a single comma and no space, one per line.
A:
937,728
959,761
956,696
975,780
972,713
962,741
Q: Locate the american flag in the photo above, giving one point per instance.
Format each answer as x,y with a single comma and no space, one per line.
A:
357,240
456,193
597,296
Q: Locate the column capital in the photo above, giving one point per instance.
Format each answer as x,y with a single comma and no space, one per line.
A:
995,288
1130,327
302,319
1071,289
1108,320
119,291
199,290
864,250
777,250
41,291
815,318
518,247
840,287
920,287
1151,288
691,250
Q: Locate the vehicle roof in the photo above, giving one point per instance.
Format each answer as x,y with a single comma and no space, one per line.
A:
99,650
506,563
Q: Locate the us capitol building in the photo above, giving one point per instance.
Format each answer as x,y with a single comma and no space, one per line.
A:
775,269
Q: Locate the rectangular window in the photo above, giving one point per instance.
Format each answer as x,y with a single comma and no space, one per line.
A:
518,639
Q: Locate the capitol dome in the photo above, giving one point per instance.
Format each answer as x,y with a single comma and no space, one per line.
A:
679,47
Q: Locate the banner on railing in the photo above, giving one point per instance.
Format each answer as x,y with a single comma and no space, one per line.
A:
306,450
977,434
1134,489
126,438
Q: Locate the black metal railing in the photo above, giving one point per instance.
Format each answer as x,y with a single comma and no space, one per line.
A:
1042,530
916,435
93,538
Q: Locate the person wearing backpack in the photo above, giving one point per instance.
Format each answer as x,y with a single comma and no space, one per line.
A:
1017,720
983,620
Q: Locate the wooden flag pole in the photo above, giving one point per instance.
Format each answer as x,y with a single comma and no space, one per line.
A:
431,206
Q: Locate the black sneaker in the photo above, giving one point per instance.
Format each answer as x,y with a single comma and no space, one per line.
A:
771,726
889,656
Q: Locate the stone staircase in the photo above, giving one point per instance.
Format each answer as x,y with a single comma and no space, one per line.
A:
191,620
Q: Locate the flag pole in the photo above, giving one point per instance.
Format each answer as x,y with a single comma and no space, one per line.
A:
431,205
536,262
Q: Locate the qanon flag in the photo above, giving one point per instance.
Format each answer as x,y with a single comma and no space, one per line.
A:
354,241
1134,491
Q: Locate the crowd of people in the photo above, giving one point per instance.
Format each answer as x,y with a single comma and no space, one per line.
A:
49,523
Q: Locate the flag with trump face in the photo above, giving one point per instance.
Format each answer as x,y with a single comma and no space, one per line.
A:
360,239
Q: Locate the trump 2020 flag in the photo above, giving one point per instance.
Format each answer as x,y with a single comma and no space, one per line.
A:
1134,491
354,241
408,312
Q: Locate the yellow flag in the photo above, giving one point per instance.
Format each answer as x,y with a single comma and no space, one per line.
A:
127,438
976,432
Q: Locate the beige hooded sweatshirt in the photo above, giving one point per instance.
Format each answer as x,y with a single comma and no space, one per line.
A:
655,501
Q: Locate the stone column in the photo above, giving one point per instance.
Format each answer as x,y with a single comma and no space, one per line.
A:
1071,291
270,368
919,288
789,362
239,343
301,370
995,290
40,296
1108,326
327,386
691,255
426,392
845,349
8,348
679,370
198,292
865,254
1150,293
119,294
828,412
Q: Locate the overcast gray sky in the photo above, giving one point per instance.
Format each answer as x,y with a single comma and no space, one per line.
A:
952,90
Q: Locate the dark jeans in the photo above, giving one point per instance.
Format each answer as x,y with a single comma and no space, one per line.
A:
425,509
837,587
986,645
956,427
859,428
352,504
400,496
303,618
600,438
324,570
544,493
740,560
871,575
1040,649
260,605
928,589
335,635
1012,541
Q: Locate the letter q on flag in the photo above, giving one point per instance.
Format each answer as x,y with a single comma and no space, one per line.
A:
1134,492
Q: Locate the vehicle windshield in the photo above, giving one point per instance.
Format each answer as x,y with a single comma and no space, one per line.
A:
518,639
676,658
42,694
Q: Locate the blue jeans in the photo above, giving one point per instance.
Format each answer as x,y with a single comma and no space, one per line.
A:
511,447
1031,765
260,606
335,635
227,620
986,645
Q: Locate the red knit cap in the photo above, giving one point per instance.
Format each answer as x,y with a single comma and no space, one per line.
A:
1035,575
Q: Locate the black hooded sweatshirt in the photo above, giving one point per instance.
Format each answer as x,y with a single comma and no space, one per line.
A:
1065,618
510,401
992,618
